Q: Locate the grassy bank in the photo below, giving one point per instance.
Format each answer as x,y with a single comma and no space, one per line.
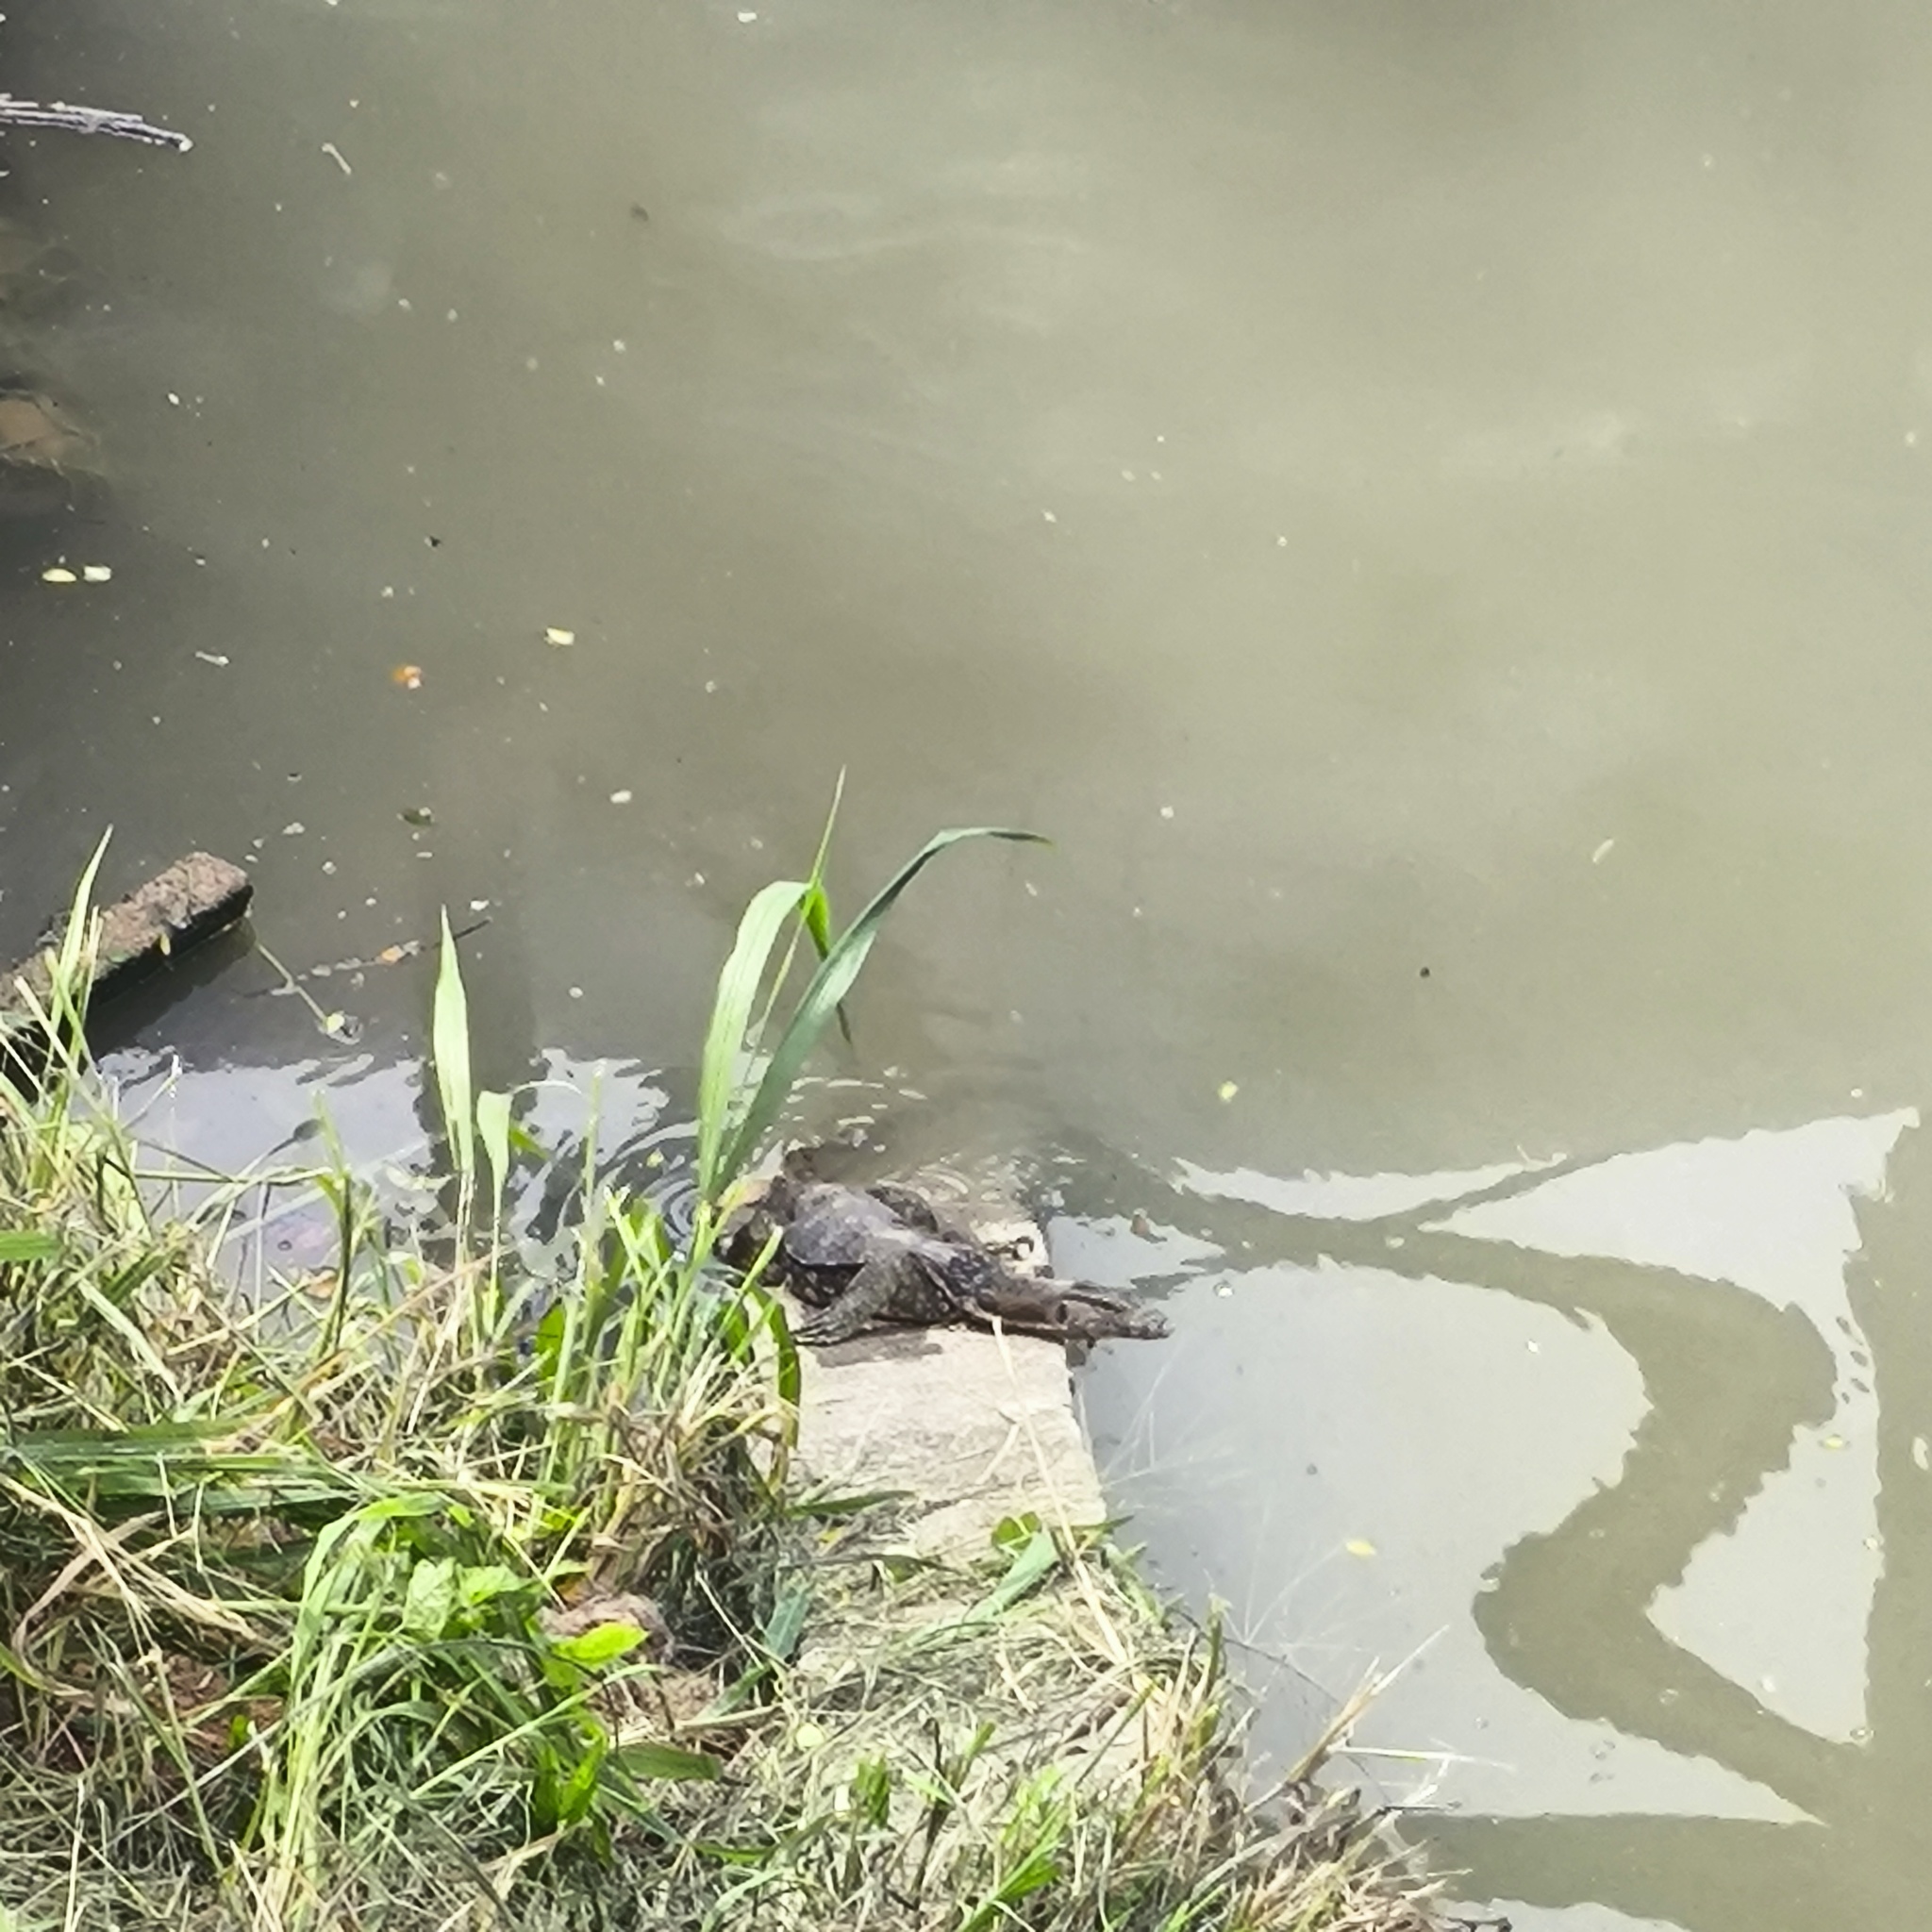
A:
422,1590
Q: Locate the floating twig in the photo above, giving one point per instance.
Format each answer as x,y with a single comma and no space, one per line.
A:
15,113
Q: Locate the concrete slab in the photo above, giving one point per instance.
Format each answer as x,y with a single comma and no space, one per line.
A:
973,1427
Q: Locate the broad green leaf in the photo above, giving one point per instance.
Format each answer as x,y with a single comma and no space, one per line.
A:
1012,1534
478,1583
449,1045
430,1598
593,1649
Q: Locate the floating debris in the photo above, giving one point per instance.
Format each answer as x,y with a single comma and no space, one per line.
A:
407,676
59,574
556,634
96,573
79,119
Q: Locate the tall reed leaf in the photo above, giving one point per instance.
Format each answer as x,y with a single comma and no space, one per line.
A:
728,1038
820,1001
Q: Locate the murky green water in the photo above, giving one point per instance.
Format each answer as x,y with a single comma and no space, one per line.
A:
1428,504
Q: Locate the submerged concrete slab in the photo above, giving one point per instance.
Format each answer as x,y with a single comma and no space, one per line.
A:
971,1427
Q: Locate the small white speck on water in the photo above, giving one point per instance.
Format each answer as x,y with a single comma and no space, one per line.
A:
620,798
1049,516
389,589
451,316
747,19
59,574
96,573
214,658
620,346
294,829
173,399
1126,476
697,879
479,904
576,992
1603,852
1911,439
530,363
328,865
711,687
1281,542
1167,811
556,634
1922,1452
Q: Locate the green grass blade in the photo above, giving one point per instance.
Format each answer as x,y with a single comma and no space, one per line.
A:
492,1126
725,1038
820,999
449,1045
74,941
20,1245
